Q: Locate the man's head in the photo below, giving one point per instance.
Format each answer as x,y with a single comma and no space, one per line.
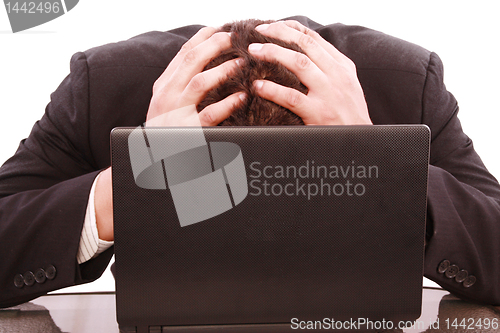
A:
255,110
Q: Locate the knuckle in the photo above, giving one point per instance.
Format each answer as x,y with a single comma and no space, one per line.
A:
311,33
186,47
198,83
348,72
293,98
306,41
156,87
349,64
159,88
207,117
302,61
298,26
191,57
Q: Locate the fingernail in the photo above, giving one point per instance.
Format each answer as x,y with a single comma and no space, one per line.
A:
242,96
258,84
262,27
255,47
239,62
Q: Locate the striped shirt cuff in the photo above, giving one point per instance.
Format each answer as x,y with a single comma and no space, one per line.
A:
90,244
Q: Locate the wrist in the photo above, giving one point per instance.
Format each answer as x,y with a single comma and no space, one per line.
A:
103,202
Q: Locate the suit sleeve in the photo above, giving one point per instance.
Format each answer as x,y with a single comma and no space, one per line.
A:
44,190
463,246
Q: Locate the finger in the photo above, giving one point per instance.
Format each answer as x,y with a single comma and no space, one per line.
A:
202,35
197,58
288,98
215,113
205,81
282,28
316,36
300,64
199,38
317,49
332,50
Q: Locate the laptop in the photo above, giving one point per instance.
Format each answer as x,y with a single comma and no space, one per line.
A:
269,229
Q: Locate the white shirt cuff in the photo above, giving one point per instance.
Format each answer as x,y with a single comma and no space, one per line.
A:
90,244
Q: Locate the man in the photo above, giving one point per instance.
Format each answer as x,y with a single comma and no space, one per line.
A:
353,76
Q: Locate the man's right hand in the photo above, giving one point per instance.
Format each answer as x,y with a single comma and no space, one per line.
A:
183,83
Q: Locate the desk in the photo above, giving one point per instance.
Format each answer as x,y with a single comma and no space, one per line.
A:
95,313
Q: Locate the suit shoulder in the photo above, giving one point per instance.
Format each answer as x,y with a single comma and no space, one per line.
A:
374,50
150,49
392,72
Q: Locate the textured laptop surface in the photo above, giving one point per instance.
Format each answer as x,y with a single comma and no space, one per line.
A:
322,222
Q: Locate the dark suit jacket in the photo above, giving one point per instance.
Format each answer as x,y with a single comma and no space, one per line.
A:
44,187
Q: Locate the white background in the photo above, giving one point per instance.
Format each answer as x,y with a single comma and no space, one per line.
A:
464,34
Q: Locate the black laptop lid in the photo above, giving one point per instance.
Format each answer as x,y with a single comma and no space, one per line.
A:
331,224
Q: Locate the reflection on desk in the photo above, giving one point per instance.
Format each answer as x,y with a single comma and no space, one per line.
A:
71,313
95,312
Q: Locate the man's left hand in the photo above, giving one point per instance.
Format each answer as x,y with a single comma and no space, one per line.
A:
335,96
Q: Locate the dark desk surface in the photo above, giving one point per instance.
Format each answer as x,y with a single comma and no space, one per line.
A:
95,312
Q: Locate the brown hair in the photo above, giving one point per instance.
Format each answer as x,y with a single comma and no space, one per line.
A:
255,110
